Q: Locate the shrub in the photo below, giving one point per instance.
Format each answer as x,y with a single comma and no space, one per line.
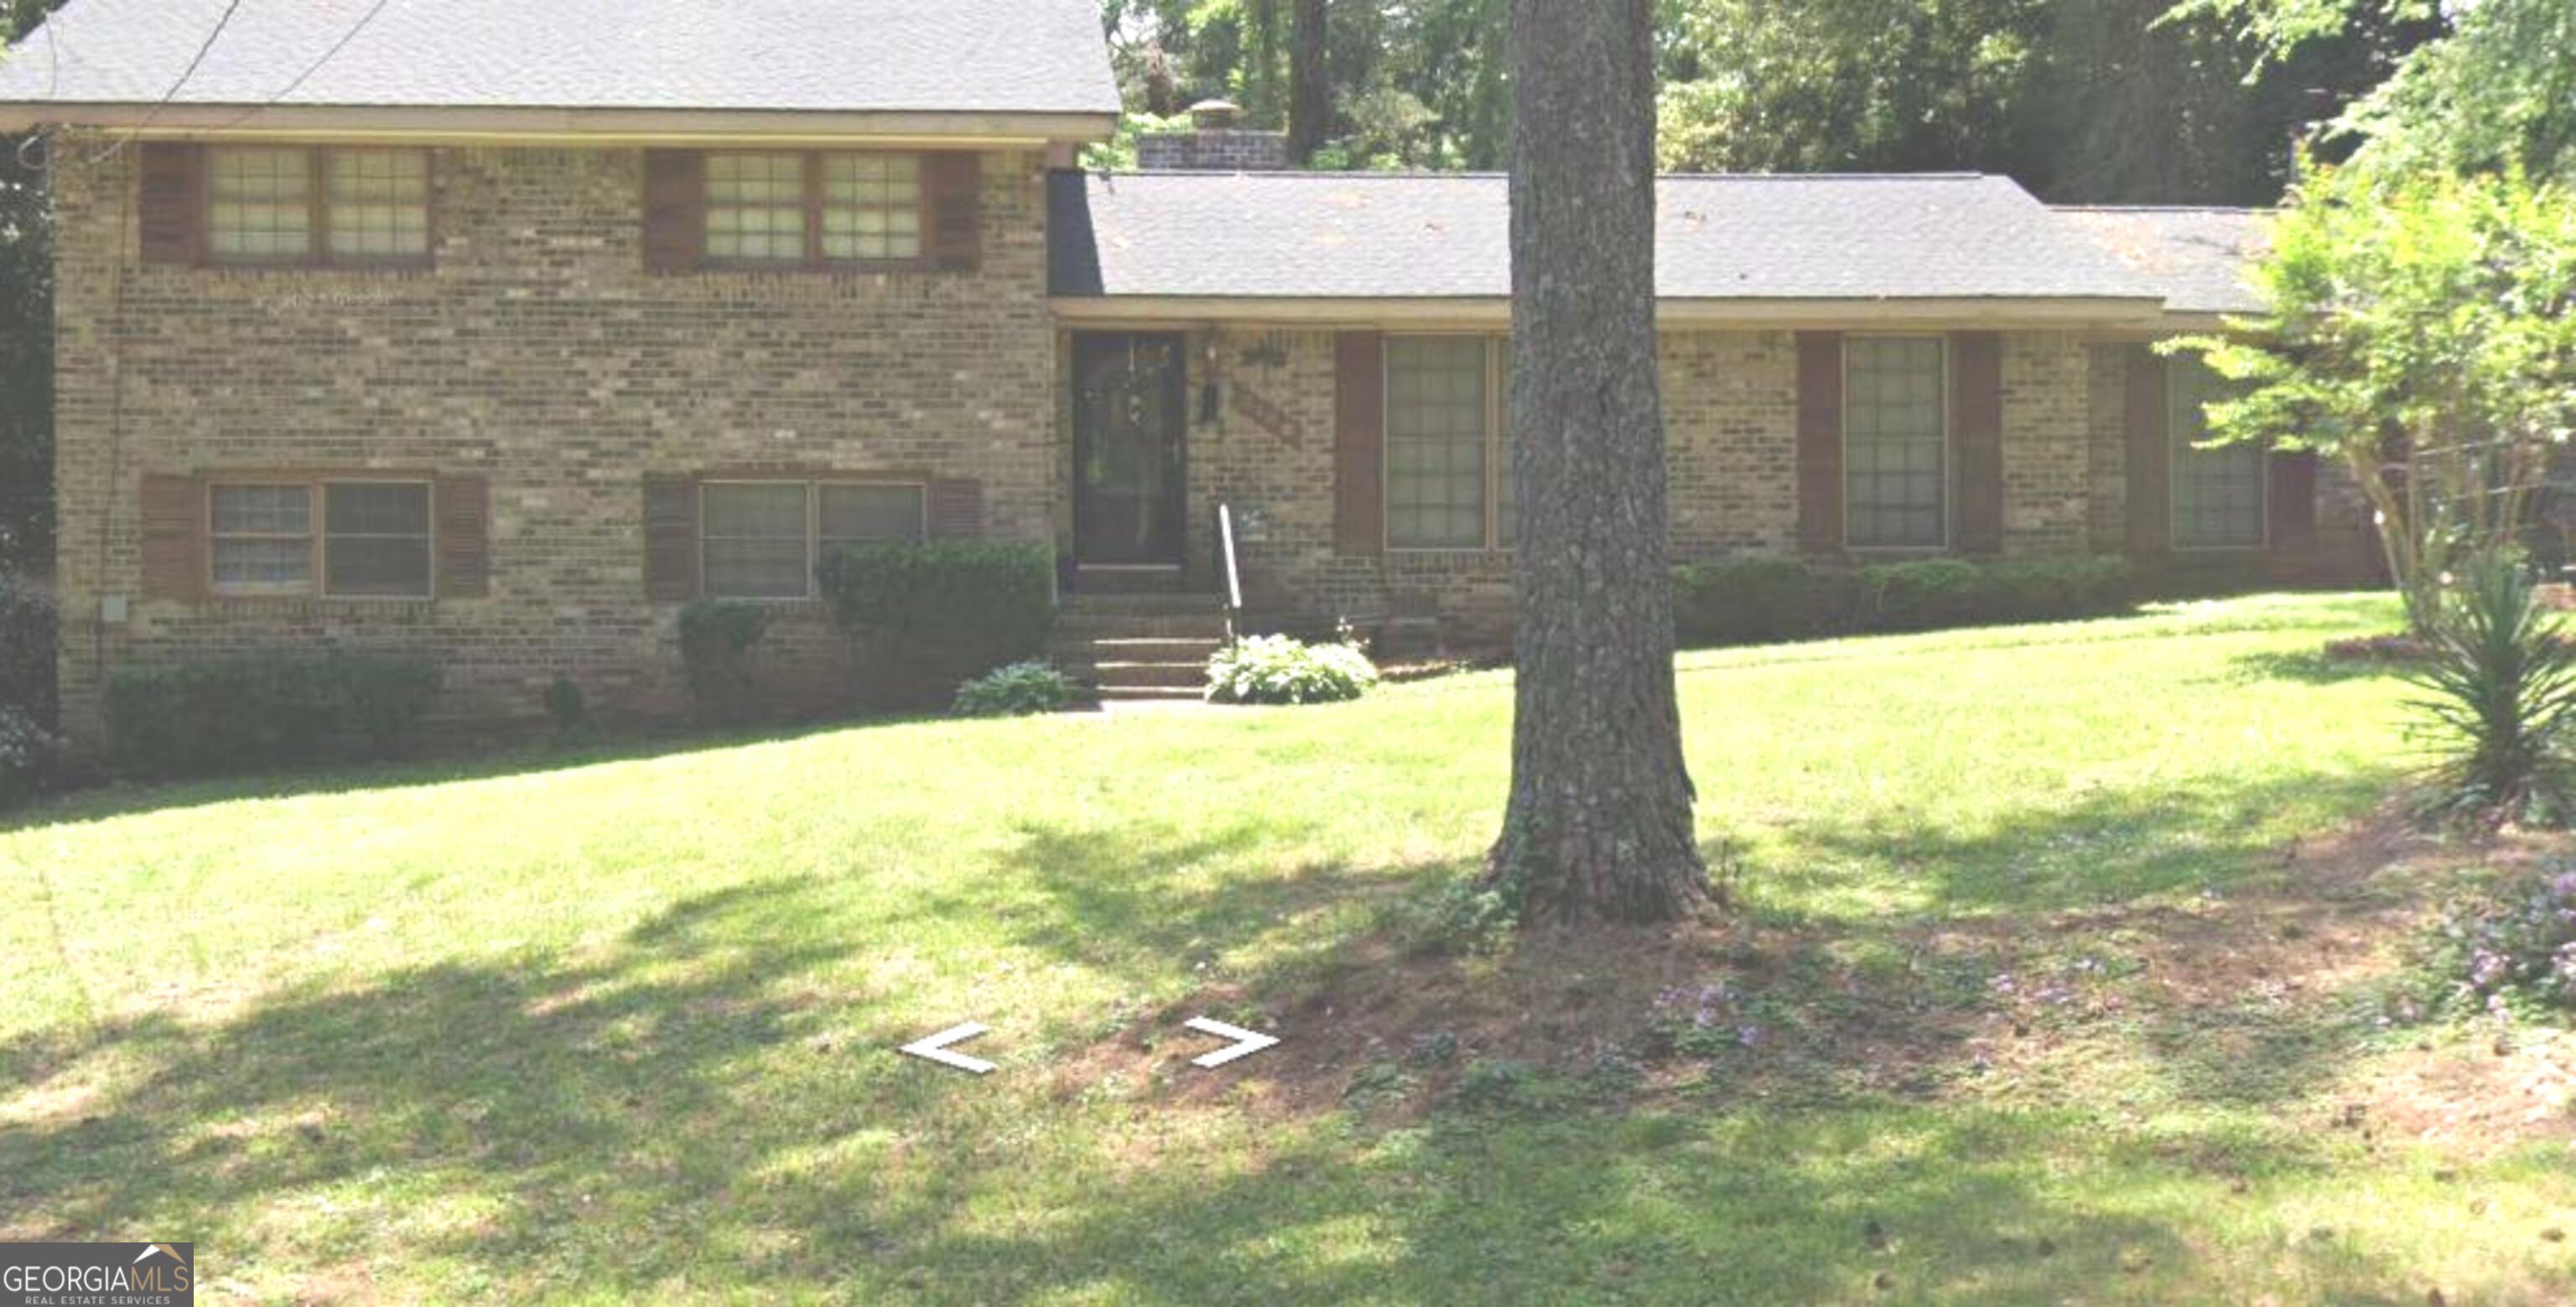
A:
2059,588
1277,669
2520,940
26,649
1019,690
27,755
935,613
568,706
1925,595
201,719
2499,698
1760,601
716,640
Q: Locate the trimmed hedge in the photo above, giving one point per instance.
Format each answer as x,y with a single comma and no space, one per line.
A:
201,719
1761,601
1765,600
947,611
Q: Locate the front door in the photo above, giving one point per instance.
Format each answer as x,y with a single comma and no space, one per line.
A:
1129,423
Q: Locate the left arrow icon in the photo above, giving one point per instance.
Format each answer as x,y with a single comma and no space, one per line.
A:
935,1048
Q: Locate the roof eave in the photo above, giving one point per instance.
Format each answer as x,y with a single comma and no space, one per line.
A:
438,124
2107,313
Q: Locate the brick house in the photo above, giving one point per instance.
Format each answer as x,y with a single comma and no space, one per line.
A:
499,331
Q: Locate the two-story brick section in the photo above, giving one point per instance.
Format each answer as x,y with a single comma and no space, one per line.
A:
500,330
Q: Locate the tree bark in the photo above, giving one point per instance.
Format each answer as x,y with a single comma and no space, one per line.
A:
1310,82
1599,826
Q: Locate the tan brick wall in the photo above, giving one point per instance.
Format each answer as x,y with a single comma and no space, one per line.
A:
1730,401
2046,455
538,353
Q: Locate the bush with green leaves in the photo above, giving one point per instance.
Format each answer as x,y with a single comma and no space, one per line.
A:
250,714
27,630
1279,669
2499,698
932,614
717,637
1019,690
1761,601
2516,940
28,753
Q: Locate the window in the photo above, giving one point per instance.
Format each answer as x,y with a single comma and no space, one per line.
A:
378,204
1447,474
762,539
790,208
756,206
1895,443
373,542
266,205
871,206
2217,493
263,204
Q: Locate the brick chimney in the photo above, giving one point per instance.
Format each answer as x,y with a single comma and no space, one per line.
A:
1218,142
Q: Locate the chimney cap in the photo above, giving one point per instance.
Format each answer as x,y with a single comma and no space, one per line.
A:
1216,114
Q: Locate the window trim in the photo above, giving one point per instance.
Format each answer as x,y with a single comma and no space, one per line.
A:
1949,449
317,253
2175,448
813,487
811,161
316,488
1497,441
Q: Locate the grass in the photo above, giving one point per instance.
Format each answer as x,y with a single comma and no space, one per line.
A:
617,1026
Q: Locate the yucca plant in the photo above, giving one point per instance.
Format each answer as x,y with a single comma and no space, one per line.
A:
2499,698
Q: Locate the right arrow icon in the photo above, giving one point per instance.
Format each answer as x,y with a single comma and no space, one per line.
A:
1246,1042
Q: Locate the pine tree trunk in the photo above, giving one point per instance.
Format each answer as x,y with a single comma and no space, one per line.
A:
1599,827
1310,81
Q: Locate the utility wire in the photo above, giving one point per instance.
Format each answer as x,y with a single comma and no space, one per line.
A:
309,69
185,75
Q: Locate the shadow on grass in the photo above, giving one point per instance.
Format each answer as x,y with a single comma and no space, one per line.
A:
131,798
2315,667
2109,847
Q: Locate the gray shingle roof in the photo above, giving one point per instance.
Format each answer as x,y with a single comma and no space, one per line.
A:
1343,235
923,56
2197,257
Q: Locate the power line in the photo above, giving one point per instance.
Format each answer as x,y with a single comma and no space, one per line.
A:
175,87
316,66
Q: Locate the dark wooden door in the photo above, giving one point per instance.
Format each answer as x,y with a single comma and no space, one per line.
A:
1129,464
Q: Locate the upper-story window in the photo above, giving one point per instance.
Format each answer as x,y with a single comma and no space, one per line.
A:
283,204
1896,443
809,208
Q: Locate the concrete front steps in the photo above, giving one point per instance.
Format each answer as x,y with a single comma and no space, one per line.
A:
1138,647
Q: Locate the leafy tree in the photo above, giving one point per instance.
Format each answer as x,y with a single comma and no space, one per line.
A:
26,335
2421,331
1599,823
2497,90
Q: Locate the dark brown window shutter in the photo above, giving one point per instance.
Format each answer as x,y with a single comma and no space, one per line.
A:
2150,460
1359,442
2293,505
464,537
956,509
670,539
952,185
174,537
675,210
1820,442
171,202
1977,438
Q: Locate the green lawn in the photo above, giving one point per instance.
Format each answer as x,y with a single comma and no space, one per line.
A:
618,1027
